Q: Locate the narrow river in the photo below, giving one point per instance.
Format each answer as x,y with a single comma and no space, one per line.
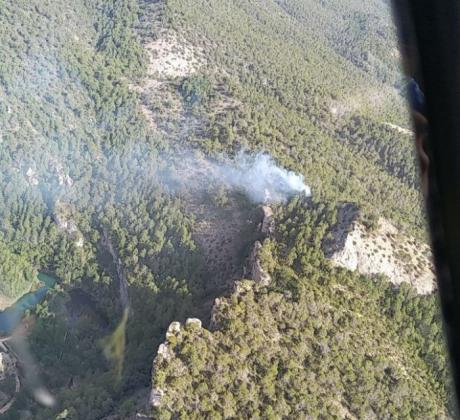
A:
11,316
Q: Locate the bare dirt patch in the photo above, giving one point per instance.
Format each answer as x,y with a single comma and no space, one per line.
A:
171,57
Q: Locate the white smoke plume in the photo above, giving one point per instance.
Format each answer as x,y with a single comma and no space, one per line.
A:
256,175
261,179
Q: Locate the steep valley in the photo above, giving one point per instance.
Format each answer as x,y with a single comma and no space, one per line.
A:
124,129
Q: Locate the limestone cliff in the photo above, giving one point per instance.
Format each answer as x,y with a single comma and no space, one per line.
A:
165,353
256,271
383,250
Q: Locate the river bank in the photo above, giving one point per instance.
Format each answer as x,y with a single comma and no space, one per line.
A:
11,316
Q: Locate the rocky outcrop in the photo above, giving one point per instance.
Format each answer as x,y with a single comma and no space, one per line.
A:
215,314
268,221
64,179
165,353
383,250
171,57
256,271
32,177
156,395
173,329
65,222
253,268
334,242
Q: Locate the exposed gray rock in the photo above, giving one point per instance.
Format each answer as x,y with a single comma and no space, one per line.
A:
63,177
174,329
79,242
334,242
164,351
32,177
383,250
64,221
268,222
156,396
258,274
214,313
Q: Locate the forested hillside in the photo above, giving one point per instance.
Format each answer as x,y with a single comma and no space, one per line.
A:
114,115
307,101
297,349
76,152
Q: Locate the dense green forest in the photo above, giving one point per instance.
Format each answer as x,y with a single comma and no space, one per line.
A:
84,196
306,93
68,113
297,348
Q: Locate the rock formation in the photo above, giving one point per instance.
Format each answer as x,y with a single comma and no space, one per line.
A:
64,179
173,329
215,313
268,222
165,352
32,177
380,251
65,222
256,271
156,396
